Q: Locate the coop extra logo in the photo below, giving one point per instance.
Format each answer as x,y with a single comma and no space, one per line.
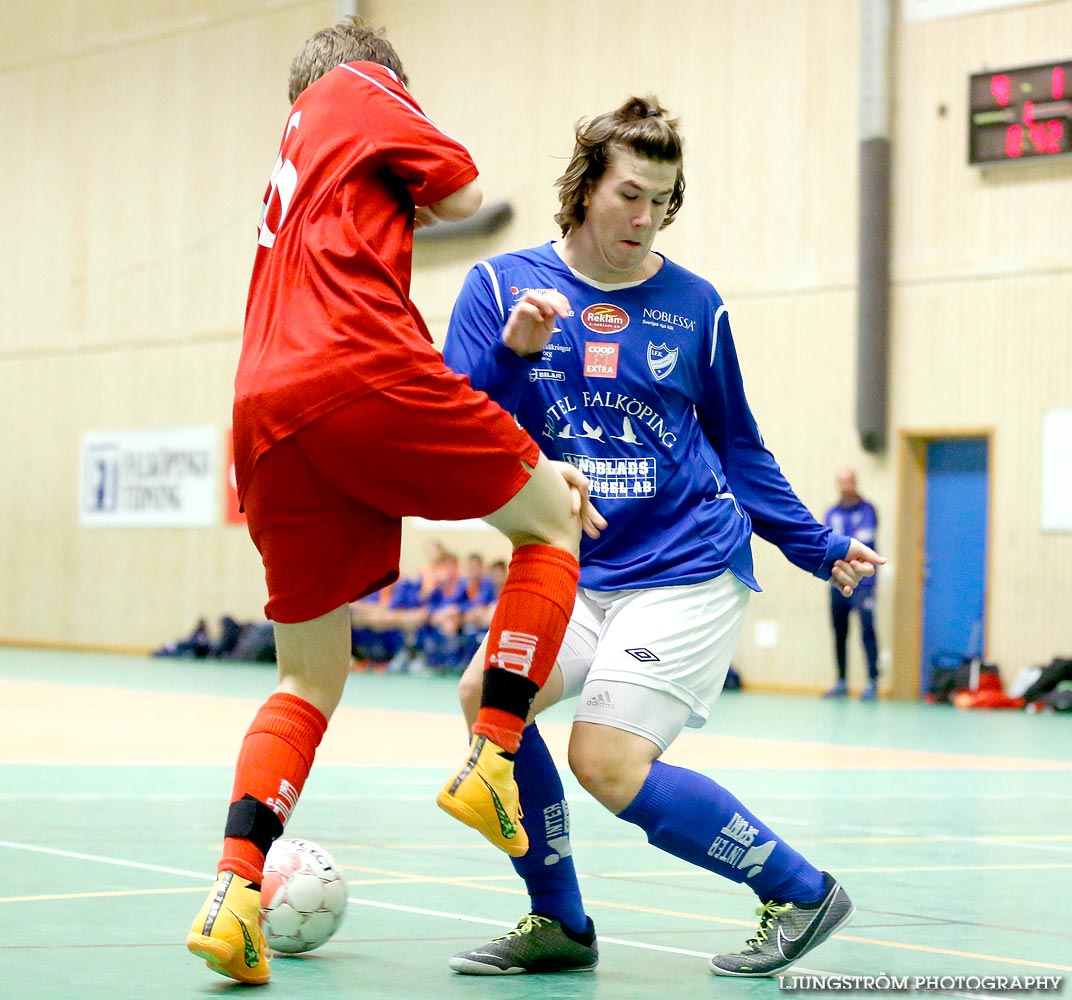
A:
600,360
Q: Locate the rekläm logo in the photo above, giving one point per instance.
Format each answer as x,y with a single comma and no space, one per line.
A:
605,318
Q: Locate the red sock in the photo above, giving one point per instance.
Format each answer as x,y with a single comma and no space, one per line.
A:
274,762
526,632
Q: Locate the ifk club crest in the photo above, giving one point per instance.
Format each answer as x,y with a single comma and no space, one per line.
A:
661,360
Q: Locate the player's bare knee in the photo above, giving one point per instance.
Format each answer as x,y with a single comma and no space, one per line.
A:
598,775
567,540
561,527
541,513
565,533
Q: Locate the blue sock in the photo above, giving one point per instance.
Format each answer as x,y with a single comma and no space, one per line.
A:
695,819
547,868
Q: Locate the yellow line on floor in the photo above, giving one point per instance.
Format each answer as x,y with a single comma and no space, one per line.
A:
1041,838
410,878
956,868
473,845
881,942
1031,836
878,869
100,895
391,879
154,727
480,845
953,953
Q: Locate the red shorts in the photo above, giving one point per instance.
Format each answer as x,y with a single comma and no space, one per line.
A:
325,505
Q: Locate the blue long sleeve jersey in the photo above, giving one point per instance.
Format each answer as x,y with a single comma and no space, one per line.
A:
640,389
859,521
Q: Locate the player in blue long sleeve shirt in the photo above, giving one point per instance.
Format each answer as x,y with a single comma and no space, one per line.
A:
637,384
854,515
668,442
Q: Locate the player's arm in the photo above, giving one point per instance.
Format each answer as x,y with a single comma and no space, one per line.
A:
474,344
497,352
532,322
460,205
436,169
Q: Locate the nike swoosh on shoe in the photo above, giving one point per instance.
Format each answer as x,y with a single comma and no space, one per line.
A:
792,947
506,826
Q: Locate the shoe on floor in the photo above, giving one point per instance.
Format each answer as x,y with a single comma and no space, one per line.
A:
483,795
839,690
869,693
536,944
787,932
227,932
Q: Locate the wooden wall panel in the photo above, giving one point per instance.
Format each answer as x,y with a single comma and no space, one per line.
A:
68,28
110,586
798,360
137,179
953,219
141,137
769,119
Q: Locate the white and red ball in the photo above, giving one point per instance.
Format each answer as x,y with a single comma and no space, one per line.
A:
303,896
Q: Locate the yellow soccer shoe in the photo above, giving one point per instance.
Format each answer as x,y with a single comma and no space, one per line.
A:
483,795
227,931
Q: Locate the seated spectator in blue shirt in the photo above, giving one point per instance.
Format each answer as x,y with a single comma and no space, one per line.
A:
439,639
481,597
384,624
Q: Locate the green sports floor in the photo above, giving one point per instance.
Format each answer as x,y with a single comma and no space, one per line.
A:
951,830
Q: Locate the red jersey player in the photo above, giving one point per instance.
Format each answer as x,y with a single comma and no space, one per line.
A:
346,420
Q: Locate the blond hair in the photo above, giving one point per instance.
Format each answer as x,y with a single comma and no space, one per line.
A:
351,40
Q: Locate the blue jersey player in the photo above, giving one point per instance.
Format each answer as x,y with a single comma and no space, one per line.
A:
638,386
853,515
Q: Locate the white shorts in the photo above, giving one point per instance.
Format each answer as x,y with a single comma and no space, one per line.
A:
652,661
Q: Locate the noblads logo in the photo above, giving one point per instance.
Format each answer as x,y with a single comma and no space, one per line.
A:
605,318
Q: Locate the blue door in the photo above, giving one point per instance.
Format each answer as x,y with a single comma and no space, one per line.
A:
954,551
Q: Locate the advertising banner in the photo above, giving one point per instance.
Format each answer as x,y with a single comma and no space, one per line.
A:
166,477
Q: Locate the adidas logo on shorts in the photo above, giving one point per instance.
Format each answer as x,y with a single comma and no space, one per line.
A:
601,700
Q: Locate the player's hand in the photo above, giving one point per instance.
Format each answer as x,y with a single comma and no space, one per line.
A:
423,216
859,561
532,321
592,522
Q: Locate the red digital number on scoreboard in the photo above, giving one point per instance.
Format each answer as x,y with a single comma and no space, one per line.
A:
1019,114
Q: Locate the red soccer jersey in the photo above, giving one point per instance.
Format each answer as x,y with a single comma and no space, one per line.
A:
328,317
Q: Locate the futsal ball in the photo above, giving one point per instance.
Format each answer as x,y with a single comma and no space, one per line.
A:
303,896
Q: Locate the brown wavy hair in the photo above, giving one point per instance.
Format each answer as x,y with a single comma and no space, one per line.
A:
351,40
641,125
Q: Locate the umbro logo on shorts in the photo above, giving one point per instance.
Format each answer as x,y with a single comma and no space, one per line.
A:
644,655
